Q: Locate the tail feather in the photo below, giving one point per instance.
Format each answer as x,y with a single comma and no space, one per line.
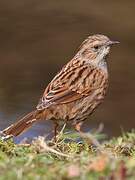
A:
23,124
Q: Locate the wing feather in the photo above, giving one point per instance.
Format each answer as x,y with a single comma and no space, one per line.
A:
67,87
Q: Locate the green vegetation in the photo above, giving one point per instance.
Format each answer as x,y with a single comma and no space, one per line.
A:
69,158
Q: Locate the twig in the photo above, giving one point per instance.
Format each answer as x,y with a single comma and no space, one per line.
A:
41,146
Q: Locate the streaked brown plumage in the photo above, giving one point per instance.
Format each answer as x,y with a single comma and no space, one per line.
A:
76,90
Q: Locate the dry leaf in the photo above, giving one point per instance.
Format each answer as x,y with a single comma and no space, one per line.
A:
99,164
73,171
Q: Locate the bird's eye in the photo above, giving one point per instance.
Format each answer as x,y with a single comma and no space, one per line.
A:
96,47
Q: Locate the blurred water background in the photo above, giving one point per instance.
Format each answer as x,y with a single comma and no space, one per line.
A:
38,37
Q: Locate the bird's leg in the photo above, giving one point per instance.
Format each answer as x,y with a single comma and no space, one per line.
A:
55,130
89,137
78,127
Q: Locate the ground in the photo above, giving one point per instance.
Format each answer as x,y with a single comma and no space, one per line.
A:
89,157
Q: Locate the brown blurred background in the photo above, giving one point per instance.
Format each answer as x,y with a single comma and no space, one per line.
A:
38,37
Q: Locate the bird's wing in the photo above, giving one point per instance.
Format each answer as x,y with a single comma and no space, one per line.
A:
69,85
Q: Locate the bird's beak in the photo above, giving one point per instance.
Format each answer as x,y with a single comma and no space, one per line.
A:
110,43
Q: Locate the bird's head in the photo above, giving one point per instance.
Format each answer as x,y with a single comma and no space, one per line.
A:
95,48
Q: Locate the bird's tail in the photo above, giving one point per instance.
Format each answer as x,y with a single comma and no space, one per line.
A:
23,124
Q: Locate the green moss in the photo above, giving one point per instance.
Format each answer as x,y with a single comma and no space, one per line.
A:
69,158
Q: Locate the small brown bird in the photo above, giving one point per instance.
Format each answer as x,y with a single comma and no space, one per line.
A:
75,91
